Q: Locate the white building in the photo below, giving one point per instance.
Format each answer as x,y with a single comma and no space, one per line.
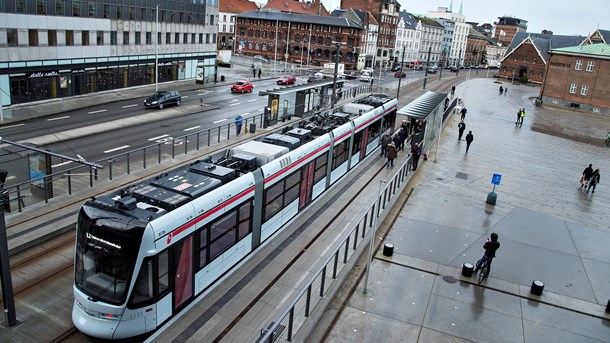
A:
460,32
227,11
408,38
61,49
430,48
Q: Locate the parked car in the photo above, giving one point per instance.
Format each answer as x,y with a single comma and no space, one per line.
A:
352,75
163,98
400,74
315,77
453,69
286,80
242,86
261,58
432,70
418,67
366,77
368,71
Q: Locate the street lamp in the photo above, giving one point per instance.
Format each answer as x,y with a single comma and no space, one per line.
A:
402,62
375,220
337,53
157,50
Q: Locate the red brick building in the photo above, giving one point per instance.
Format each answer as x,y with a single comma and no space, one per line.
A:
295,6
527,55
579,77
387,15
476,45
507,28
298,38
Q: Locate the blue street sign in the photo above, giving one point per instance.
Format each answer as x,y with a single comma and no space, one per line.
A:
495,179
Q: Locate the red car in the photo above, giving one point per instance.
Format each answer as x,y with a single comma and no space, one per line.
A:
399,74
286,80
242,86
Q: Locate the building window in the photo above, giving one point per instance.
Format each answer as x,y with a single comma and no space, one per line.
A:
75,8
207,38
590,65
59,7
148,38
168,38
33,37
176,38
52,34
158,38
212,19
192,38
584,90
214,38
201,38
138,38
126,38
41,7
106,10
69,38
100,38
578,65
85,38
20,6
185,38
113,38
573,88
92,9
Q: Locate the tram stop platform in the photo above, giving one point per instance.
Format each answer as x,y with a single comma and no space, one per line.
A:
549,228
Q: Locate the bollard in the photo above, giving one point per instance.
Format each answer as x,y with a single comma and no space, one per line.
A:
491,198
467,269
537,287
388,249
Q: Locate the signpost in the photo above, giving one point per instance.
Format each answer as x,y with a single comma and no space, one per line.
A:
492,196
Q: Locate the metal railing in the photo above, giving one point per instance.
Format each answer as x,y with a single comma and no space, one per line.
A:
336,266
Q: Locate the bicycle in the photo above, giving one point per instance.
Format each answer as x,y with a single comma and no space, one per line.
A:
483,270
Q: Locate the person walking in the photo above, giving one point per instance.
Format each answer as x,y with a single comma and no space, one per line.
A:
416,152
461,128
402,134
385,140
463,113
452,91
586,176
396,141
469,139
521,118
238,123
594,181
501,90
254,72
518,118
392,152
490,246
259,72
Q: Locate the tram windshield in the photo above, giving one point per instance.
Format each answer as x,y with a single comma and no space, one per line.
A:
105,254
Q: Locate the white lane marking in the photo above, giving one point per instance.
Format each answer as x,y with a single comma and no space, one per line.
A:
155,138
61,164
127,106
219,121
234,100
94,112
185,96
192,128
252,100
234,104
222,90
10,126
246,113
115,149
58,118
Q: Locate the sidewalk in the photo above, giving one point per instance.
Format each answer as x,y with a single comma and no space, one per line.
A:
549,229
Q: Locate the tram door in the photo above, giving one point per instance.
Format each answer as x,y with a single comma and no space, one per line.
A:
183,269
364,141
306,184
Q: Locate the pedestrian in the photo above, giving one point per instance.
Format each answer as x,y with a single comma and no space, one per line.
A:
501,89
416,152
469,139
463,113
238,123
452,90
413,124
594,181
406,126
521,118
396,141
586,176
254,72
372,80
446,104
505,91
490,246
259,72
461,128
391,155
518,118
385,140
402,133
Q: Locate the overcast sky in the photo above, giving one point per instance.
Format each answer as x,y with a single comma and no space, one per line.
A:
564,17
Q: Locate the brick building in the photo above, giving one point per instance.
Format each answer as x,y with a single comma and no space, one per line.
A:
227,10
476,46
507,28
579,77
386,13
527,55
298,38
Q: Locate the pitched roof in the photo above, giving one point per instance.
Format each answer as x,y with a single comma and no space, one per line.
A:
429,22
409,20
300,18
543,43
474,34
599,36
236,6
295,6
599,49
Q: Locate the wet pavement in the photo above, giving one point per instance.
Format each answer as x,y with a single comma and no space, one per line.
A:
549,229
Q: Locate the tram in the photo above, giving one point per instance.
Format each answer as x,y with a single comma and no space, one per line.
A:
146,251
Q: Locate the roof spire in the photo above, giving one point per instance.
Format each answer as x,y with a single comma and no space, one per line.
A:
461,3
451,6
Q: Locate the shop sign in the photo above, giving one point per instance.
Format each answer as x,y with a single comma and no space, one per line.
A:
43,74
76,71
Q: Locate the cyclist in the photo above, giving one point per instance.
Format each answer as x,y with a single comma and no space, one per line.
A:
490,252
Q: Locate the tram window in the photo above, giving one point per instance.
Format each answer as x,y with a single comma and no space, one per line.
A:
340,154
374,130
244,227
273,200
292,187
163,271
203,244
357,143
223,234
144,288
321,163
